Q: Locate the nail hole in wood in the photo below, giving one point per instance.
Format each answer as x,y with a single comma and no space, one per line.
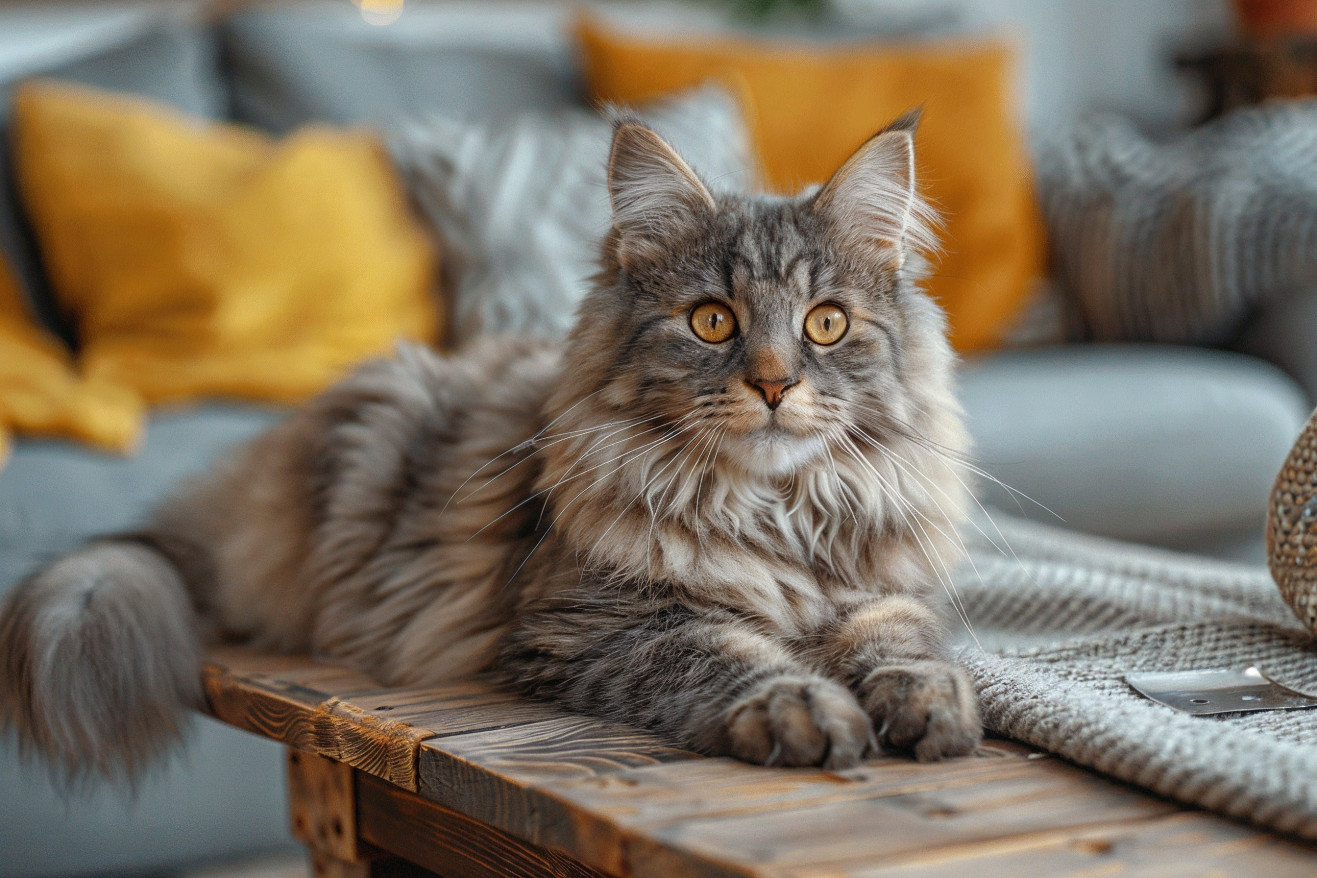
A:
1096,846
338,827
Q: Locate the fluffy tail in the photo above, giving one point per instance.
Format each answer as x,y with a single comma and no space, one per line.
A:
100,656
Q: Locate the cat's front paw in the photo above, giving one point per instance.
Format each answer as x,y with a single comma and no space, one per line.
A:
925,707
799,720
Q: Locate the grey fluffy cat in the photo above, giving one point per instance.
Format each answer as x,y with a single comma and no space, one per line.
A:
720,511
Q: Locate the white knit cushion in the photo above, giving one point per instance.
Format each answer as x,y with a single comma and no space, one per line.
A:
1062,618
520,204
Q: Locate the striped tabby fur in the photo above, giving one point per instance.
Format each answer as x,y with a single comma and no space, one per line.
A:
623,524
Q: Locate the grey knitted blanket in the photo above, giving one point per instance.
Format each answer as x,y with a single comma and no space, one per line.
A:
1062,624
1178,241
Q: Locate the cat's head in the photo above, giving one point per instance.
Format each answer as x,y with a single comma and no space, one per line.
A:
783,324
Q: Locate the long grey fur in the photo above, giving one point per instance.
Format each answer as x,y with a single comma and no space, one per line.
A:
629,523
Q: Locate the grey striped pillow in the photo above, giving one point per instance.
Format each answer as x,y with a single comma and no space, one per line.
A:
520,204
1179,241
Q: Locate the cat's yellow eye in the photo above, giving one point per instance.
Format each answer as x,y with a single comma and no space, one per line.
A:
713,322
826,324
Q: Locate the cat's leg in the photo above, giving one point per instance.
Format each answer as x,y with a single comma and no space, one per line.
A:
711,680
891,652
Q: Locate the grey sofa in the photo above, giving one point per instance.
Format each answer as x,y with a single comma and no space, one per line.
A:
1175,447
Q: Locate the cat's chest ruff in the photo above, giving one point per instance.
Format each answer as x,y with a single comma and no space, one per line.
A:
777,576
782,549
767,552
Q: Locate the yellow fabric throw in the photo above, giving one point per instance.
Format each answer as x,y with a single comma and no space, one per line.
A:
204,259
809,107
40,393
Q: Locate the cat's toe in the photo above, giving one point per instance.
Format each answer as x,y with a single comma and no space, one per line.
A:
925,707
798,721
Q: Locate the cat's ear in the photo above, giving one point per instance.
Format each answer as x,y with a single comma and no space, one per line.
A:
872,201
656,196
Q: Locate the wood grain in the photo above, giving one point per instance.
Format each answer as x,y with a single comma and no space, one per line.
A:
322,804
281,699
1178,845
499,776
877,828
450,843
502,783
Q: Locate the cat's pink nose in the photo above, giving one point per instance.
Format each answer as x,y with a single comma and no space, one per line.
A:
772,389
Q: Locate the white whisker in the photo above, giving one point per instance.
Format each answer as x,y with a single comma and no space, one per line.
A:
517,447
934,559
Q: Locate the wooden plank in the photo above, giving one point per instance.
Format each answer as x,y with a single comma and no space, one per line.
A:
873,829
281,712
599,795
458,708
302,670
732,815
721,817
714,787
625,802
282,706
322,804
494,775
617,821
1179,845
567,746
452,844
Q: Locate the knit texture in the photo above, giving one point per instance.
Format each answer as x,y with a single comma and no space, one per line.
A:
519,203
1064,618
1178,241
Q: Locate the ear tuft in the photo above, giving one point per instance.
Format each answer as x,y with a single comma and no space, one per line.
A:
907,121
873,200
655,194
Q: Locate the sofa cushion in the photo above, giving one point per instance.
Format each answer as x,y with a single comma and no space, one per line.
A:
1282,332
322,61
168,57
207,260
223,796
1166,445
520,204
54,495
41,392
810,105
1179,240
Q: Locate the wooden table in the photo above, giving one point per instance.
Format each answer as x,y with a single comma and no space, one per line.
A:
472,780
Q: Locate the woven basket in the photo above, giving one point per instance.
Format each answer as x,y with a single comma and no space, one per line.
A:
1292,527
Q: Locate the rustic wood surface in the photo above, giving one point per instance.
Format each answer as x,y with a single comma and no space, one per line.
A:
469,779
322,805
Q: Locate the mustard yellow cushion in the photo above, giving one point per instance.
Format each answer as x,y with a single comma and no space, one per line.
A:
40,393
201,259
810,107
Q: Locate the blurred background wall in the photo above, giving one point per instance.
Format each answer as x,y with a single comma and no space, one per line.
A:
1081,54
1106,54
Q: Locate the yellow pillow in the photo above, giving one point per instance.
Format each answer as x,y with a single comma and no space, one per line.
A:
40,393
810,107
204,259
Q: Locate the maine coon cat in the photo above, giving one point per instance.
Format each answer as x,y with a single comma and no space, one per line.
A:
722,510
